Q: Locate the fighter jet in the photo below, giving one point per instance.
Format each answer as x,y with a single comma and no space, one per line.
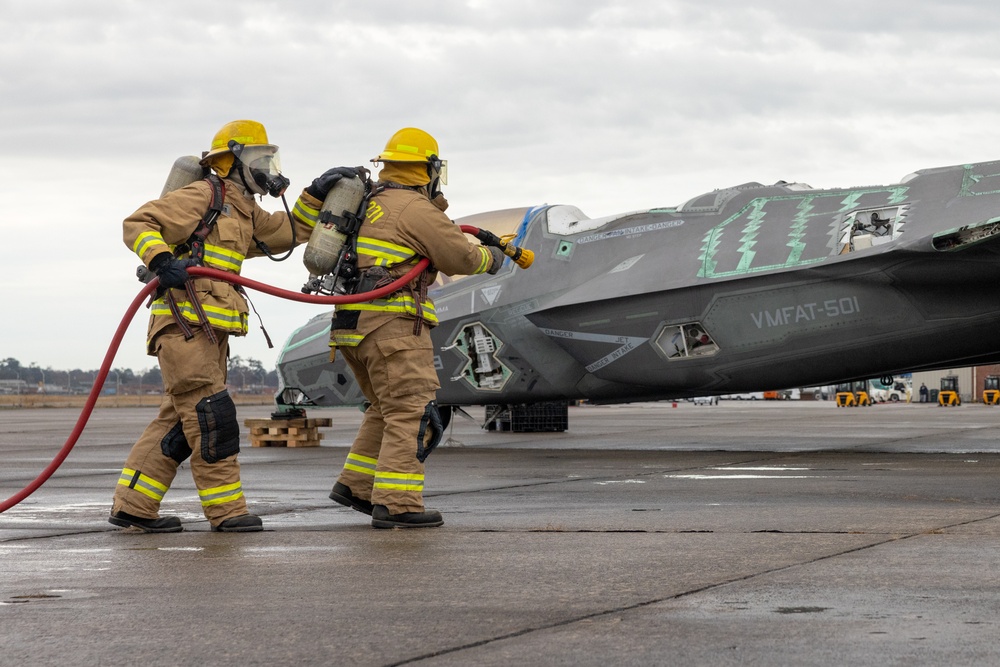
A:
740,289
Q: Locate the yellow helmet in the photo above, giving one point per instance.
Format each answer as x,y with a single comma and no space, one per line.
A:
408,145
246,141
246,132
414,145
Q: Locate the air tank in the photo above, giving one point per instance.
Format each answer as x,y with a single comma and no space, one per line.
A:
325,243
186,170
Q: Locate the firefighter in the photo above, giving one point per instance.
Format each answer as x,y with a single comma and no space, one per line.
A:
387,342
192,320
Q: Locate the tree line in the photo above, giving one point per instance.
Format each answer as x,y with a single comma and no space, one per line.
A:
248,375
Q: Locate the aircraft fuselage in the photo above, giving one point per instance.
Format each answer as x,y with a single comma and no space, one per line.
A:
741,289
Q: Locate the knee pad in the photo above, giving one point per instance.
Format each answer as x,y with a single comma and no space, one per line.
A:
431,431
220,432
175,445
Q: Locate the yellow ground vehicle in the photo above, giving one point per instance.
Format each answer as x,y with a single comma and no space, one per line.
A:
853,394
991,392
948,396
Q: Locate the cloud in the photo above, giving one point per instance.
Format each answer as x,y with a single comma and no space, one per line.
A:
611,106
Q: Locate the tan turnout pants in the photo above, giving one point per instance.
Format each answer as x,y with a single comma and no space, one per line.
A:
395,370
197,419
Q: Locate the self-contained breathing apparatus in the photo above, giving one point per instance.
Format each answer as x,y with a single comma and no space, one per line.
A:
331,255
264,171
266,176
187,170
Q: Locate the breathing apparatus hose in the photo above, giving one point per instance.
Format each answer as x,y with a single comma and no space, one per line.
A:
146,291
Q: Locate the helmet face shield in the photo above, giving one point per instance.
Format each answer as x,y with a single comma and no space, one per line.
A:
263,163
441,166
262,158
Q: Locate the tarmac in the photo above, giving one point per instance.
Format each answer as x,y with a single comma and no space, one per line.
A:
748,533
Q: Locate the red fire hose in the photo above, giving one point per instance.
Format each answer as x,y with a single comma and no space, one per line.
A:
522,257
137,303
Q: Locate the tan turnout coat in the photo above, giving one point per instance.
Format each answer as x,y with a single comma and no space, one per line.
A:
401,226
161,225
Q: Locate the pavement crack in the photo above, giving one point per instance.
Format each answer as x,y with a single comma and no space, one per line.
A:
676,596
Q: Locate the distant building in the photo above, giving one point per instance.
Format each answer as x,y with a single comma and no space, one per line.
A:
971,380
13,387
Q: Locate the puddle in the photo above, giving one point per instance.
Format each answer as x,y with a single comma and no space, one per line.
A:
620,481
758,468
800,610
740,476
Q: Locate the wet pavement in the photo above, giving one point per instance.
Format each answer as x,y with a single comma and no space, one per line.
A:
747,533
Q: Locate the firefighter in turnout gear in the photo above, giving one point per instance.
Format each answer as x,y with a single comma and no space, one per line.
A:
387,342
215,223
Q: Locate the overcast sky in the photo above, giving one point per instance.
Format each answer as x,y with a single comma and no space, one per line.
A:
609,106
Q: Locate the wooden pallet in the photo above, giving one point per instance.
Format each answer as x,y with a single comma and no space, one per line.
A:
286,432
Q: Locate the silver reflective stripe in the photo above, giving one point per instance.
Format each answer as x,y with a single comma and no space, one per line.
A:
305,213
363,464
221,494
222,258
390,252
399,481
147,486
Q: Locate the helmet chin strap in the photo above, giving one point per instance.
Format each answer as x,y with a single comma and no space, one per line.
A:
434,185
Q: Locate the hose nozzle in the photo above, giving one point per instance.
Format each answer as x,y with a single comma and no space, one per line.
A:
521,256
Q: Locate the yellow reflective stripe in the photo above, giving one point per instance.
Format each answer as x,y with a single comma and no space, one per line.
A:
398,304
226,313
362,459
399,487
225,488
345,340
221,494
146,241
222,258
406,148
390,253
147,486
485,263
363,464
412,476
305,212
224,318
399,481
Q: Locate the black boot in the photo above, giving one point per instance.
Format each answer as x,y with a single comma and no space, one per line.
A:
165,524
426,519
246,523
342,494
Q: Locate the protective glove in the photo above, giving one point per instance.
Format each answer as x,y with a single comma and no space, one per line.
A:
171,271
498,258
321,184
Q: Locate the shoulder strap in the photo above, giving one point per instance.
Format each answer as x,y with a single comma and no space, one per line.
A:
197,239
